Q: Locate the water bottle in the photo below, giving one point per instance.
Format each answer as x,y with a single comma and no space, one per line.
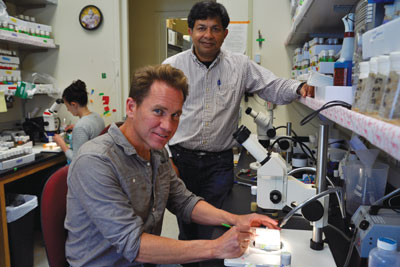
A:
385,254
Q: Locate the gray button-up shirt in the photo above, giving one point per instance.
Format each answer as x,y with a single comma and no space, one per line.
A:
114,196
211,112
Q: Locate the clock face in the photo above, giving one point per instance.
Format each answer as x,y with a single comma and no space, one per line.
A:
90,17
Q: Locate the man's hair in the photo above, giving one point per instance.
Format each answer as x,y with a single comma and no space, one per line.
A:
208,9
76,92
144,77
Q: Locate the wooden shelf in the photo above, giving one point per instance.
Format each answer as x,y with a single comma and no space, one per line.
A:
319,18
381,134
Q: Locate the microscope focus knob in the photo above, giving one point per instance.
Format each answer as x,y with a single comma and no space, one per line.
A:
275,196
364,224
271,133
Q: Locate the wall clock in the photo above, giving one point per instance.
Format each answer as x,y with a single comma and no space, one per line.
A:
90,17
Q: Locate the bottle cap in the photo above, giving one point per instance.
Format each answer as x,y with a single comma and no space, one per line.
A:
395,61
383,65
373,65
286,258
254,190
364,67
387,244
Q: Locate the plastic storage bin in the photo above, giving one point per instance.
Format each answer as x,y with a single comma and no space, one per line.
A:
20,219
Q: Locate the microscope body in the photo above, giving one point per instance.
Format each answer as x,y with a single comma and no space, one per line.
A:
275,189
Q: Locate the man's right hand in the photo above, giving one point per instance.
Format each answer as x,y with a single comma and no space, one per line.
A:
234,242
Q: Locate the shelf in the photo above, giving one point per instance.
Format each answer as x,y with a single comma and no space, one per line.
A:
319,18
26,42
30,4
381,134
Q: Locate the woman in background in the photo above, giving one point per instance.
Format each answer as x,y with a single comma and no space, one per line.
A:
89,125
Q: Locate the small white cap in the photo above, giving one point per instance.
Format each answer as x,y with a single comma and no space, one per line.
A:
364,67
395,60
373,65
383,65
286,258
254,190
387,244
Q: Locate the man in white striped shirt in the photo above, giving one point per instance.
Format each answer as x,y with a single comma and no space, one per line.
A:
202,146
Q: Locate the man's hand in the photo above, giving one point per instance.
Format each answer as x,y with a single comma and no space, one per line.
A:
256,220
307,90
233,243
69,127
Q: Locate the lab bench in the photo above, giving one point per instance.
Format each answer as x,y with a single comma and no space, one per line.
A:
43,161
238,202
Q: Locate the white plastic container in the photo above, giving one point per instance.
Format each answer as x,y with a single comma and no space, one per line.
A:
390,108
362,80
385,254
379,85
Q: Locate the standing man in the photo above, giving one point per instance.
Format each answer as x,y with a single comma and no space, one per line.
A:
121,182
202,146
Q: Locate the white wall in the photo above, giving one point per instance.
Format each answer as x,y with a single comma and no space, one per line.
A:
84,54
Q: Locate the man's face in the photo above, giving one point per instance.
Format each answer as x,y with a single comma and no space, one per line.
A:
208,36
156,119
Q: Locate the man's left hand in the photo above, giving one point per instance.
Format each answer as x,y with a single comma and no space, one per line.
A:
256,220
307,90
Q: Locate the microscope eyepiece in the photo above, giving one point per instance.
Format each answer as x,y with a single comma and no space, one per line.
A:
241,134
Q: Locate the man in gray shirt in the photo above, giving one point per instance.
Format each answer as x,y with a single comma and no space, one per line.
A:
202,146
121,182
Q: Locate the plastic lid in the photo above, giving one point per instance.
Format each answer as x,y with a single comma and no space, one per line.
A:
254,190
286,258
387,244
395,60
364,67
373,65
383,65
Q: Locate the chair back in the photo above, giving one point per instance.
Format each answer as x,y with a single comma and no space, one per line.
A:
118,123
53,211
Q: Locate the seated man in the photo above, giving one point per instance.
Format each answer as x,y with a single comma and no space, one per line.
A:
121,182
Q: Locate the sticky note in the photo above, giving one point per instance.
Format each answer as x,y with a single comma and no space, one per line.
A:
103,75
114,110
91,101
101,94
106,100
92,92
3,105
106,108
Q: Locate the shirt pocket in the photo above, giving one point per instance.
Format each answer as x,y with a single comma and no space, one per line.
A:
226,95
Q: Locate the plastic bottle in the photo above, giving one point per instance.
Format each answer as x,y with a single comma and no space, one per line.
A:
362,80
390,104
286,259
366,95
253,204
385,254
379,85
343,66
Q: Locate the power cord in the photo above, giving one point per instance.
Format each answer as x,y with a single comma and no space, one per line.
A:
325,106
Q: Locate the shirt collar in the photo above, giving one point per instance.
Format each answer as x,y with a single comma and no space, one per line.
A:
216,60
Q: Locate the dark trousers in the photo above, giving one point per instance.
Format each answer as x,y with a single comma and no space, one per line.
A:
206,174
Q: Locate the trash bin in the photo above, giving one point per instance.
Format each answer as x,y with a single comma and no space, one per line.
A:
20,222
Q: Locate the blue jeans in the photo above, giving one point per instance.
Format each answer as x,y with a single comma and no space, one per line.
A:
206,174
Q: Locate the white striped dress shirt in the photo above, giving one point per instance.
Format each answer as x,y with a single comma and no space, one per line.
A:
211,111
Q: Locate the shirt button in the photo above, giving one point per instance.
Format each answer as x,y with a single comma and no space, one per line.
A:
206,123
208,89
148,163
154,209
206,106
205,142
133,180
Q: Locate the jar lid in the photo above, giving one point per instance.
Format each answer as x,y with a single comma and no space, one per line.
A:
364,67
373,65
387,244
383,64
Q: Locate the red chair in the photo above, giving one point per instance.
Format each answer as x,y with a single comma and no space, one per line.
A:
53,210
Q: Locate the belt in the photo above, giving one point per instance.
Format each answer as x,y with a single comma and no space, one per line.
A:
199,152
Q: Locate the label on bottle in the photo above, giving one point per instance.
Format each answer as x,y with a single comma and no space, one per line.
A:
340,77
357,95
376,94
